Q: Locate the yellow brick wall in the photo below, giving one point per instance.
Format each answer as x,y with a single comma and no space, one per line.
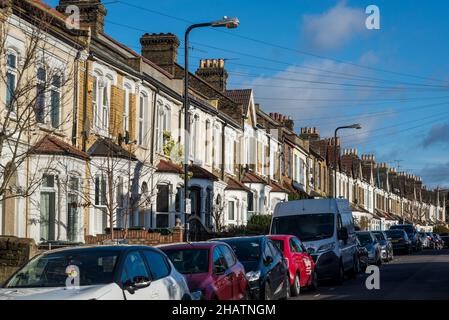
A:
116,112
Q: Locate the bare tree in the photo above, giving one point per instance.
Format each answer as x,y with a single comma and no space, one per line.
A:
36,90
218,213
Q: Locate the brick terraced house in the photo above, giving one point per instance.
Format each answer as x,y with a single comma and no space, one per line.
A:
102,142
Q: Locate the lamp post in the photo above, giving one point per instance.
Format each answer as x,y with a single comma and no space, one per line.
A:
229,23
354,126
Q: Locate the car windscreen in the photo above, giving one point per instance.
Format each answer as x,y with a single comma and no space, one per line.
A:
246,250
52,270
379,236
188,261
365,238
307,227
395,234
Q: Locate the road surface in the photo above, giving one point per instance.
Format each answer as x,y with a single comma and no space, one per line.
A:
422,275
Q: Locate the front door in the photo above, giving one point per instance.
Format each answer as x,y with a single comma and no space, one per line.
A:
222,277
135,270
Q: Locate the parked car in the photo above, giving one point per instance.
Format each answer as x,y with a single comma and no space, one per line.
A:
411,234
425,242
325,227
445,240
300,264
369,241
98,273
210,267
265,266
439,242
400,241
362,254
435,242
386,248
416,241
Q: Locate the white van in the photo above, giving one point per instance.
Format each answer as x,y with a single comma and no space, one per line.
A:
326,228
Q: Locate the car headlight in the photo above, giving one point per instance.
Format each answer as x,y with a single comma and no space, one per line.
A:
326,247
253,275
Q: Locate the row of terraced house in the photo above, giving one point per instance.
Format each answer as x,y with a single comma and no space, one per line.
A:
95,137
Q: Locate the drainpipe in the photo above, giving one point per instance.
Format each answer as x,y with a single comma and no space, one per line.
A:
153,121
75,99
86,94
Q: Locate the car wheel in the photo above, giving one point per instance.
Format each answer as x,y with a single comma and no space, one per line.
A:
314,284
247,295
296,287
341,274
355,268
267,291
287,287
379,260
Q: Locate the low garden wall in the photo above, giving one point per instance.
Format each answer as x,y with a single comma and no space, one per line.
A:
14,252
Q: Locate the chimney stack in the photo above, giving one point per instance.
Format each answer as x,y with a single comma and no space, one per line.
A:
214,72
92,13
162,49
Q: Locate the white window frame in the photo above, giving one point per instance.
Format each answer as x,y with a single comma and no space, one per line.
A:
12,71
57,90
142,107
208,142
126,107
101,110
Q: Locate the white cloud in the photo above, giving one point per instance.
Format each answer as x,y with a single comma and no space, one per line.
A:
333,28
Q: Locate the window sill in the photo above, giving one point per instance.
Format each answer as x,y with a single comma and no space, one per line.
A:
48,129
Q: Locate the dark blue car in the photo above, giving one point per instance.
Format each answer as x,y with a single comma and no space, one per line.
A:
265,266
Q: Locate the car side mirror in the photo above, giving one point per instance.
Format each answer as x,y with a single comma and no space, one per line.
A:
310,251
219,270
268,260
343,234
139,282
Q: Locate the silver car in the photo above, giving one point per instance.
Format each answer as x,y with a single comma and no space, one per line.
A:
386,248
369,241
98,273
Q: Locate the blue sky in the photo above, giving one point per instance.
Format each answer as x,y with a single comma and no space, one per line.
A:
394,81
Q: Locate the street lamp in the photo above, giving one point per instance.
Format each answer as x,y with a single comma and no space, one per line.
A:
226,22
354,126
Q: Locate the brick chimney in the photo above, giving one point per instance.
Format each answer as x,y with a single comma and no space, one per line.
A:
92,13
283,120
162,49
311,134
213,71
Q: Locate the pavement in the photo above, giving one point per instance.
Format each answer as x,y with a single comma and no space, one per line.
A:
419,276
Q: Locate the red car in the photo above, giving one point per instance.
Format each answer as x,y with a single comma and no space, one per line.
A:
210,267
300,264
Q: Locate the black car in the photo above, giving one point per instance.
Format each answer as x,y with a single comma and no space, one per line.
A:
445,240
265,266
400,241
412,234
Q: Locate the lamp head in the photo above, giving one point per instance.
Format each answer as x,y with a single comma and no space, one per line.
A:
230,23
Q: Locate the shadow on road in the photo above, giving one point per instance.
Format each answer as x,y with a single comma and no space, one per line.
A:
422,275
